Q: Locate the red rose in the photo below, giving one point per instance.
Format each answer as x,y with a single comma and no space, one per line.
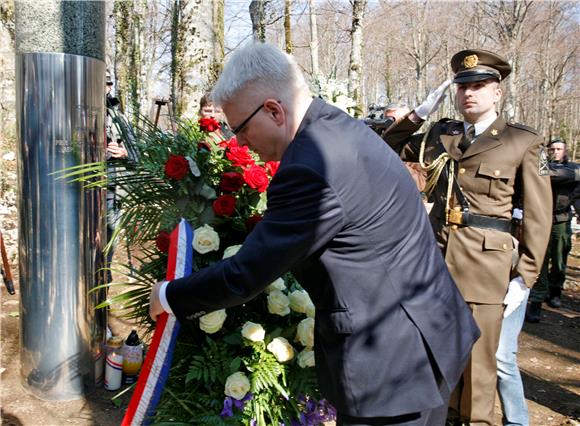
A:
163,241
225,205
256,177
252,221
272,167
208,124
176,167
233,141
240,156
231,181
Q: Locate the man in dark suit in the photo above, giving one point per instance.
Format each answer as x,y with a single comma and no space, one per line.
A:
392,332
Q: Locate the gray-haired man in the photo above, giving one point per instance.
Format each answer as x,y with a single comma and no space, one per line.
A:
392,332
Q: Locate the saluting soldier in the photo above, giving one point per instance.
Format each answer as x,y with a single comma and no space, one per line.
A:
478,168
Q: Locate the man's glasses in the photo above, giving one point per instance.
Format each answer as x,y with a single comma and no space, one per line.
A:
246,121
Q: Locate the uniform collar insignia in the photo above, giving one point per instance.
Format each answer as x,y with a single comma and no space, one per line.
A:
494,132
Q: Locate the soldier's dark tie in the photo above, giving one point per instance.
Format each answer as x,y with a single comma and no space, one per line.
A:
467,138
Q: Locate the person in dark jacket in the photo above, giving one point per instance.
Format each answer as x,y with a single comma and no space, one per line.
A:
392,332
120,152
564,176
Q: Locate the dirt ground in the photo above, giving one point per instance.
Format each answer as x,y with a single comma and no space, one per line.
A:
549,359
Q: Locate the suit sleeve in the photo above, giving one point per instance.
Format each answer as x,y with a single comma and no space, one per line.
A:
537,223
400,137
303,215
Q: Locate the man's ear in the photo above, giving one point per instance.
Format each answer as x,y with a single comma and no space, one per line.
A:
498,93
275,111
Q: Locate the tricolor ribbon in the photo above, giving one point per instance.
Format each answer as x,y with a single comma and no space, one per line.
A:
157,363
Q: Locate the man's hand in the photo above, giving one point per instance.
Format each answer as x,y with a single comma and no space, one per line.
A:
117,150
433,101
155,307
516,294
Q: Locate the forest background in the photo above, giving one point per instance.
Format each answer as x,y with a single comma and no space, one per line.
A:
378,51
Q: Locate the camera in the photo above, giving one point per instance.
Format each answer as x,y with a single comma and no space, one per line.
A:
376,119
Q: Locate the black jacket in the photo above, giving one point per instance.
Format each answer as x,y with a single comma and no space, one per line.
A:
564,177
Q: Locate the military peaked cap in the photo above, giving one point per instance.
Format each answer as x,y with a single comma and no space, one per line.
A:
477,65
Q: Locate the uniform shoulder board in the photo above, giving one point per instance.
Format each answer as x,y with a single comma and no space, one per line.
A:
524,127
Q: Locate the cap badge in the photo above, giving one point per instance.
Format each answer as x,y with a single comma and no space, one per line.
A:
494,132
470,61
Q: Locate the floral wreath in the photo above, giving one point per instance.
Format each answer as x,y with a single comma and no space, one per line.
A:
250,364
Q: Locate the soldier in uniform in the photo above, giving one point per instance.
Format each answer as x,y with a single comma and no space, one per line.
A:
564,176
477,169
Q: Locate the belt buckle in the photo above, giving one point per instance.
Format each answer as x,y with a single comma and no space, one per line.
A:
456,216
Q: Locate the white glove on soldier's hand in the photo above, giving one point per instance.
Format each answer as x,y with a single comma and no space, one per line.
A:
516,294
433,101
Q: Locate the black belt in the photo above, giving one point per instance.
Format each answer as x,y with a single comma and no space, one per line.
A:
463,218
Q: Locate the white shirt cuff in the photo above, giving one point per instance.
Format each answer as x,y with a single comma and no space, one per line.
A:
163,298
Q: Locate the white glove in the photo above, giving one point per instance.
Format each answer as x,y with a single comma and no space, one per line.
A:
433,101
516,294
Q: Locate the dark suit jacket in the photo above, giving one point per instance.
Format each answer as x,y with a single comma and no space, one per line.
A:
345,216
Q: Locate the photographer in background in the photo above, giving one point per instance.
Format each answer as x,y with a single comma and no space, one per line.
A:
116,129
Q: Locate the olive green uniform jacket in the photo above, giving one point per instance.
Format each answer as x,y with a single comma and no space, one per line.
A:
505,164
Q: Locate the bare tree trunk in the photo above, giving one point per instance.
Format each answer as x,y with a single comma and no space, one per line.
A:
7,17
135,63
7,72
388,75
176,53
355,65
423,50
194,53
287,25
219,34
313,39
509,19
258,17
122,12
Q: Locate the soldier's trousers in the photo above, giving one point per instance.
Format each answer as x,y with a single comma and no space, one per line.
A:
473,399
553,272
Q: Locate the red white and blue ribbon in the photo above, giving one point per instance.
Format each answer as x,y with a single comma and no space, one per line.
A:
157,363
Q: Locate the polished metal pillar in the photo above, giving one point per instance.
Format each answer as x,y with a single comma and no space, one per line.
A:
60,123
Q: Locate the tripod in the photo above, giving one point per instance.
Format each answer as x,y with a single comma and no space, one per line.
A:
164,102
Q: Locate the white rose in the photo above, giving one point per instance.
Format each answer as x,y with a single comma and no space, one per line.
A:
237,385
278,303
300,302
276,285
205,239
310,311
282,350
306,358
212,322
254,332
305,332
231,250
